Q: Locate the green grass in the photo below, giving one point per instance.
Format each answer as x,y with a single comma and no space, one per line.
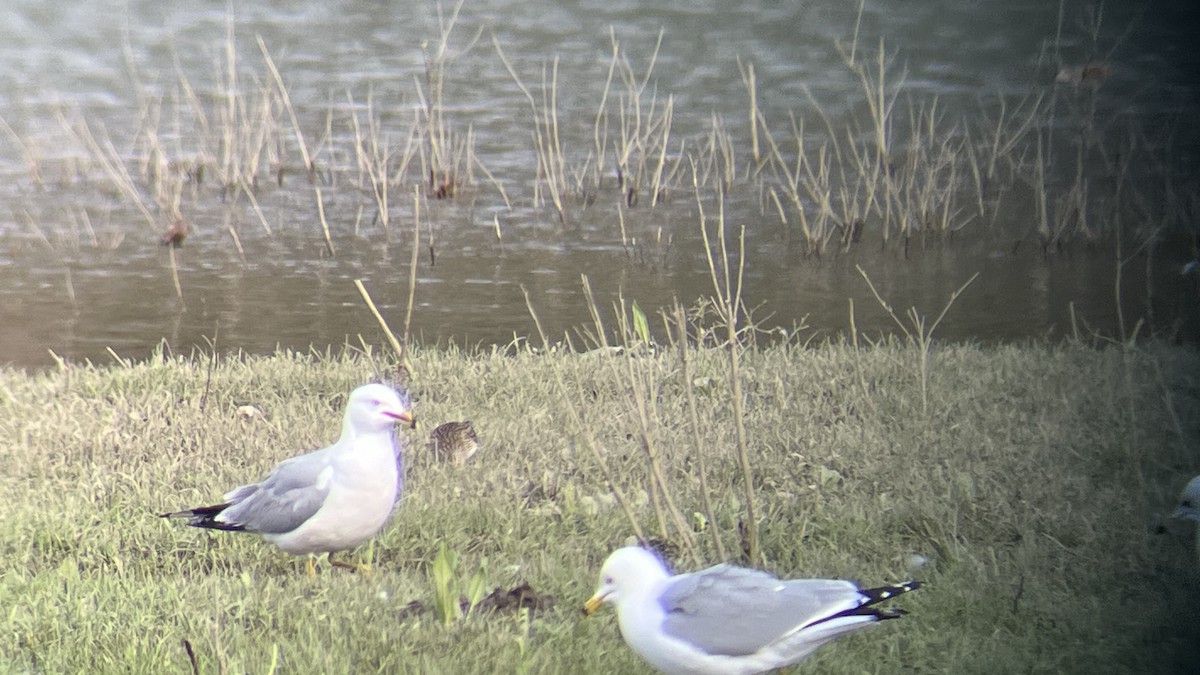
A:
1036,482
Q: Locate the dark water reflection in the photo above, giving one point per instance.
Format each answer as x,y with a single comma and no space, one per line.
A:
81,272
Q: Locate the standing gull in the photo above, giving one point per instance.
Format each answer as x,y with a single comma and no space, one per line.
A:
728,619
328,500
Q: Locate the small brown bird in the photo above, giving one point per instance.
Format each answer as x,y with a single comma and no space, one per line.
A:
454,441
175,233
1092,74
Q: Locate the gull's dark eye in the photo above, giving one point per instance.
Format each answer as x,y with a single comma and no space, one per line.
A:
608,581
1187,503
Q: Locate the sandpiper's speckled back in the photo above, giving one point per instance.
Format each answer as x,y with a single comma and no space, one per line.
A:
454,441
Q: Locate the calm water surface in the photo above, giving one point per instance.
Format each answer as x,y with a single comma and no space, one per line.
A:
81,270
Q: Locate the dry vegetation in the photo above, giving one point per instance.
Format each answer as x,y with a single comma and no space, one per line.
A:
1048,169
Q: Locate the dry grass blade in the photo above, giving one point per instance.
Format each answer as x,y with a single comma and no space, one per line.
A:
748,79
412,266
309,165
397,346
600,336
551,166
728,293
642,392
536,322
680,322
921,335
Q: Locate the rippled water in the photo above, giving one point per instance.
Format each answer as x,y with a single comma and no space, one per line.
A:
81,270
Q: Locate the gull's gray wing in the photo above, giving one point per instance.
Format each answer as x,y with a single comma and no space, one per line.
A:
737,611
285,499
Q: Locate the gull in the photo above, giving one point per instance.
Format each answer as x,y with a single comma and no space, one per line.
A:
729,619
1189,507
328,500
1189,501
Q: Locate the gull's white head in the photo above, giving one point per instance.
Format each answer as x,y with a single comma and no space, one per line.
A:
376,407
1189,501
628,572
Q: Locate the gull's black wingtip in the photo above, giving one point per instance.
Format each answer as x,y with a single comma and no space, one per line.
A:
882,593
872,597
205,517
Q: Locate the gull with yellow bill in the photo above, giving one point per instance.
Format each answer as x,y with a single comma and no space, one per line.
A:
727,619
328,500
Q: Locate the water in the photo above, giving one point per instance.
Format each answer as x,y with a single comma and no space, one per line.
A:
81,271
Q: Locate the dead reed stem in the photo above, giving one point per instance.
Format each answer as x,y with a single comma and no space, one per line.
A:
287,104
412,268
751,93
536,322
601,336
444,159
572,408
921,334
728,292
372,155
701,465
233,234
641,391
324,223
397,346
600,125
110,161
262,220
174,272
551,167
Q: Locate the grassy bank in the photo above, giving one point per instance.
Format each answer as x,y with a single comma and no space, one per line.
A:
1033,478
